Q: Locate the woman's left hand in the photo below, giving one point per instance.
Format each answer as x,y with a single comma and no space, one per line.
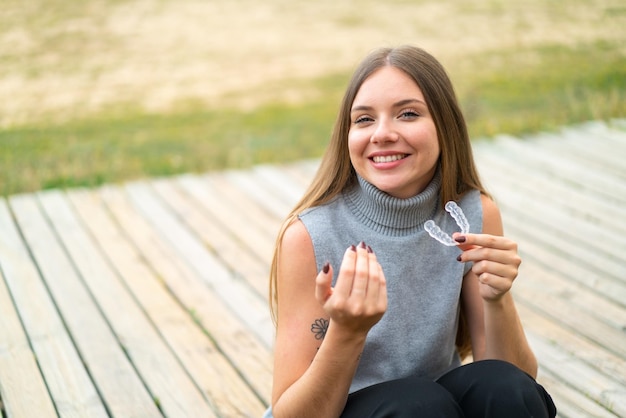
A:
496,262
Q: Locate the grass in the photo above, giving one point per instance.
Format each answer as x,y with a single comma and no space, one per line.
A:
109,149
512,92
562,86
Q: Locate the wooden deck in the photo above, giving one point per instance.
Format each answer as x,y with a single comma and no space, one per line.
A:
148,299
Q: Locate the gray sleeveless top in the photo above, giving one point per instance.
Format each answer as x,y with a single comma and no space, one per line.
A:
416,335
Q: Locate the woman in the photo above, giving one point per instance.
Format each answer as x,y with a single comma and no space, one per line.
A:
373,315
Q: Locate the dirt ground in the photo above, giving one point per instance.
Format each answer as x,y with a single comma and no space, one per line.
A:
61,58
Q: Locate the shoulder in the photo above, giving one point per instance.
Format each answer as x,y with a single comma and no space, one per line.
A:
492,220
317,223
296,236
296,251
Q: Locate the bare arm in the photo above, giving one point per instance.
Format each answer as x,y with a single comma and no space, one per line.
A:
312,375
494,324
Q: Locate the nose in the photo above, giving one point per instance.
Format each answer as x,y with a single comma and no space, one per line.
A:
384,132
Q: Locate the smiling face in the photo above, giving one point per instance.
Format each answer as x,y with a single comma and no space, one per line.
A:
392,139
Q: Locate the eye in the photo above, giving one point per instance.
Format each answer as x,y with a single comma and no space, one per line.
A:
362,119
409,114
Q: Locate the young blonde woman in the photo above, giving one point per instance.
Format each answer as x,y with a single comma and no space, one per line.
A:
373,315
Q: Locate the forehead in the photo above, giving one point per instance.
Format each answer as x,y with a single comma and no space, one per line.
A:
388,83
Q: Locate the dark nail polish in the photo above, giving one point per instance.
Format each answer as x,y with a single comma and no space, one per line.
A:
353,248
362,245
460,238
326,268
369,249
458,258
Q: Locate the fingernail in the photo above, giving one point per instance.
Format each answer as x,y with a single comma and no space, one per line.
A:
369,250
362,245
353,248
326,268
460,238
458,258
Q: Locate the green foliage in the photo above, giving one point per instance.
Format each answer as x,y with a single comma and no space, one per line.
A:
543,88
512,92
114,148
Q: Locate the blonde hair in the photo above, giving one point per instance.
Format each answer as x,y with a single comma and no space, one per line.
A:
335,172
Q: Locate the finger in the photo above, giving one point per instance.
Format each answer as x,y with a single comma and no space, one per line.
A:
505,271
323,282
485,240
343,286
361,274
497,285
382,290
373,285
504,257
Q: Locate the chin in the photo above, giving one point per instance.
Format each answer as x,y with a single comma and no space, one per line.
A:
390,190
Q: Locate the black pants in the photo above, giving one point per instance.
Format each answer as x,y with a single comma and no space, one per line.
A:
489,388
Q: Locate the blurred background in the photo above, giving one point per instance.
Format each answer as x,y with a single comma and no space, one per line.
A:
102,91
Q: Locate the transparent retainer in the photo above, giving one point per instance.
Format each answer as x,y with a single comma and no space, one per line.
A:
459,217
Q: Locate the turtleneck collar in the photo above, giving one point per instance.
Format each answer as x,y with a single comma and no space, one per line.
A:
390,215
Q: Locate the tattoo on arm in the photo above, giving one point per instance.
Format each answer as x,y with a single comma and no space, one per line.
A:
319,328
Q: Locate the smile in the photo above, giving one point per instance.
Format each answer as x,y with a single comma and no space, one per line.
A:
388,158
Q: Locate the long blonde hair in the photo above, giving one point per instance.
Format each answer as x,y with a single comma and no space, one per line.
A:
335,172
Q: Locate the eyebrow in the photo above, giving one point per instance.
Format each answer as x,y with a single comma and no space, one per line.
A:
396,104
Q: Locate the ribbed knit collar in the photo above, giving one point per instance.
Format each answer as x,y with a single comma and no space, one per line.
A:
390,215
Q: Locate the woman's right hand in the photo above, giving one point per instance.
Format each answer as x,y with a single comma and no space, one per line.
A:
359,298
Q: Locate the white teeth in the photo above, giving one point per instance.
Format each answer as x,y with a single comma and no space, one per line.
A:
387,158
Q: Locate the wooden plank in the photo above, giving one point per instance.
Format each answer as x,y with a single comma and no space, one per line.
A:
573,307
599,184
214,375
567,235
23,391
161,308
568,224
272,203
594,154
241,299
67,381
610,137
564,231
548,261
301,172
216,236
193,261
567,255
252,212
616,123
571,403
552,332
168,385
218,201
580,376
279,183
308,169
604,264
249,355
230,215
559,194
98,347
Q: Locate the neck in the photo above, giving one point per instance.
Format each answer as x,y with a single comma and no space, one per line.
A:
391,215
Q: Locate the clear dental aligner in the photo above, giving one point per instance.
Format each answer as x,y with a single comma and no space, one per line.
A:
436,232
457,214
459,217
